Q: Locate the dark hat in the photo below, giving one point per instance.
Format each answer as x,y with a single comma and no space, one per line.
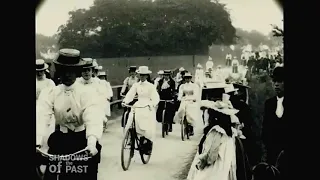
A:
167,72
69,57
278,74
88,63
132,68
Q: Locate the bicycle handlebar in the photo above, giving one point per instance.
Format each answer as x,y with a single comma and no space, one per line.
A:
62,156
167,100
130,106
136,97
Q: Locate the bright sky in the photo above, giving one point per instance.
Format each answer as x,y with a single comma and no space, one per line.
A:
245,14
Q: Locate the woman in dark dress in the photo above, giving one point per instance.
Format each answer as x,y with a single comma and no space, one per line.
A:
78,125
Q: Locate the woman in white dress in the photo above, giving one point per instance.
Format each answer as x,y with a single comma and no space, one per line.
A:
87,79
103,77
41,81
189,98
145,118
78,115
199,76
216,156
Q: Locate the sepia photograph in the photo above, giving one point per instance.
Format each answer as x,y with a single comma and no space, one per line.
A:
160,90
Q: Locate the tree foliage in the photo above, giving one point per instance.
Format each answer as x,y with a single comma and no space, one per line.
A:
44,44
114,28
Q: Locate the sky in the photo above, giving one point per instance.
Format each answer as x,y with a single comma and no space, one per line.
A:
245,14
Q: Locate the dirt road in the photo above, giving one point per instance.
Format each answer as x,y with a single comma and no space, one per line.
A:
169,156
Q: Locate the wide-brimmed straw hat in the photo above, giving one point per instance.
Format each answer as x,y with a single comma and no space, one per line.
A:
166,72
100,68
144,70
181,69
199,66
220,106
230,88
187,74
88,63
69,57
41,65
102,73
161,72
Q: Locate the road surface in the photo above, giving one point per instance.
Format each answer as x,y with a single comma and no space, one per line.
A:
168,157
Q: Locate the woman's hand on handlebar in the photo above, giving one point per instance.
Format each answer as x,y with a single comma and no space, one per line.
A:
92,150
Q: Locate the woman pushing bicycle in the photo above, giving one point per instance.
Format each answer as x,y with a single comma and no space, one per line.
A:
145,117
79,120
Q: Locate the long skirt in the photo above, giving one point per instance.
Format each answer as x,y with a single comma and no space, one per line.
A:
145,121
107,108
193,114
67,143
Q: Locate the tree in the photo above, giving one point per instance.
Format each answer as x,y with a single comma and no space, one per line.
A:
45,44
113,28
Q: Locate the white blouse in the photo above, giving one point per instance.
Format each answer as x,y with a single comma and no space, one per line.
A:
128,82
146,91
190,90
109,92
96,84
42,84
73,106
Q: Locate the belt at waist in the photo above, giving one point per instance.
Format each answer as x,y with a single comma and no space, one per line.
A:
67,129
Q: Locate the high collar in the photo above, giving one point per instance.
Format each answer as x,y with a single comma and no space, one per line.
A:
69,88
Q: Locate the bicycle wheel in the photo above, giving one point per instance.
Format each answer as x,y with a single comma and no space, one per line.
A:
144,158
125,119
164,128
186,126
128,141
182,129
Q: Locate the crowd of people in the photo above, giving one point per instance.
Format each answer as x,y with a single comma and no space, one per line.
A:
257,62
73,111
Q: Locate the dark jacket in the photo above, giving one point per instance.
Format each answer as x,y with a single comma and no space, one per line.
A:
273,130
166,94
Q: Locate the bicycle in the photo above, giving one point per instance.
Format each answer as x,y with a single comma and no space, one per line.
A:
47,156
165,125
185,125
126,113
131,139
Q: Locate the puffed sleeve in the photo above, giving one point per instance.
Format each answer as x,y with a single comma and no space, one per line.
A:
155,98
180,93
92,115
109,89
210,150
51,83
44,111
125,84
131,94
196,93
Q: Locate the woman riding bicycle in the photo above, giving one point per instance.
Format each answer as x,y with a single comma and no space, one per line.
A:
145,118
166,89
189,98
79,118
